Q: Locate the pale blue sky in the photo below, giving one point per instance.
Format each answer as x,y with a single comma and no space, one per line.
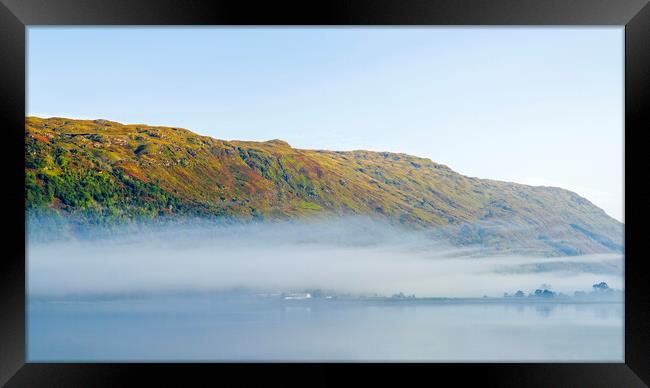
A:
541,106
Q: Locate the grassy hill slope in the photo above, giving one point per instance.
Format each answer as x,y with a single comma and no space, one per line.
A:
103,171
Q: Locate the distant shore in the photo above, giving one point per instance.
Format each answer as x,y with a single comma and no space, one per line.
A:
89,298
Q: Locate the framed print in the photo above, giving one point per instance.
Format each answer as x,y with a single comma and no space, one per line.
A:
377,188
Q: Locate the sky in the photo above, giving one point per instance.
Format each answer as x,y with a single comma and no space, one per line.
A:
539,106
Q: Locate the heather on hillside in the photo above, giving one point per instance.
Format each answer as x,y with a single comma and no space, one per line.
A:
99,171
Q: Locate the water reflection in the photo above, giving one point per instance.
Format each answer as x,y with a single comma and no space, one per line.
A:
210,328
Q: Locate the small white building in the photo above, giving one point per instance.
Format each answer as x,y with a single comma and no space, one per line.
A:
297,295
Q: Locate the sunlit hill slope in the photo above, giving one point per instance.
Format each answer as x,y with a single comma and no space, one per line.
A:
101,171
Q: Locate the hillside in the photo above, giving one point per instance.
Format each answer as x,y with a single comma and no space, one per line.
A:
103,171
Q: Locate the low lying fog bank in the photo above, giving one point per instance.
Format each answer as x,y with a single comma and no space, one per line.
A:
354,255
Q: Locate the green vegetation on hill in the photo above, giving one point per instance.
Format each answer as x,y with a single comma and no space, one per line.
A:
104,172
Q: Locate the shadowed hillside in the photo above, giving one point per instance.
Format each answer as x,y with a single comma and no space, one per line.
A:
103,172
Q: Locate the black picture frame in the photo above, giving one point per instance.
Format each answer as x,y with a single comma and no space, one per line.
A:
16,15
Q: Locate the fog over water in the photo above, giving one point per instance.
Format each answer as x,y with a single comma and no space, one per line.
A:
351,255
211,291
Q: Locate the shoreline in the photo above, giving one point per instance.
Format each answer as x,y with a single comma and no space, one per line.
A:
313,300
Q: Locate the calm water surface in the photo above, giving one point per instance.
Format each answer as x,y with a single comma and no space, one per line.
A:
251,328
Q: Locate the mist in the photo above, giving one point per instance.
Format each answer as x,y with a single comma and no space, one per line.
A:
349,255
